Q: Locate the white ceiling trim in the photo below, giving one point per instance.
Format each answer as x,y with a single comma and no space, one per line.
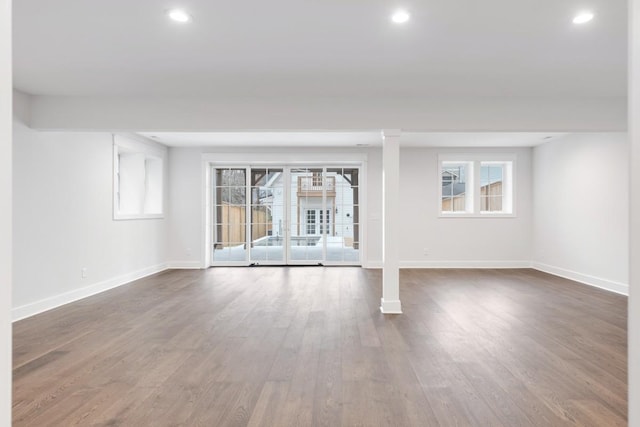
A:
349,139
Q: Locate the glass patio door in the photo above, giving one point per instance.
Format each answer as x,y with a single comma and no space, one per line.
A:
343,223
286,215
230,216
307,202
267,229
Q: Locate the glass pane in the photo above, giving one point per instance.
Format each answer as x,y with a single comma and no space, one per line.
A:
495,173
227,233
297,248
335,246
348,195
233,251
308,181
220,253
221,213
274,248
258,177
230,214
454,203
230,177
237,251
453,187
222,195
491,204
237,195
490,175
351,252
277,220
484,203
260,214
335,183
495,203
484,175
343,247
491,190
259,232
230,195
258,253
304,246
267,214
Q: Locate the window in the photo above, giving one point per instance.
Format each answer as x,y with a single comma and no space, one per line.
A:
476,185
311,221
318,221
324,218
137,179
316,179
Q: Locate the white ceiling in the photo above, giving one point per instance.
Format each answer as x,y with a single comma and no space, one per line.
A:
349,139
299,48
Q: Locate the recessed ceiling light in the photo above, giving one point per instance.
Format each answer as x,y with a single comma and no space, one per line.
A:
178,15
583,17
400,16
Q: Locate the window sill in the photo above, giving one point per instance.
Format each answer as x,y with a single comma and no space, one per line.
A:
125,217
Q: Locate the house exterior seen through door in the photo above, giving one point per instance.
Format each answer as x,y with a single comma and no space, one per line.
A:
286,215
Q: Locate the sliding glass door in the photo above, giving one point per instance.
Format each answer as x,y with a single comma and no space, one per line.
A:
230,216
267,222
308,200
286,215
343,242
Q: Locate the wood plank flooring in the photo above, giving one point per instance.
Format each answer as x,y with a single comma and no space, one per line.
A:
307,346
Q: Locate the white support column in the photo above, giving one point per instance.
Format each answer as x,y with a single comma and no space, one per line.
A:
390,303
6,138
633,332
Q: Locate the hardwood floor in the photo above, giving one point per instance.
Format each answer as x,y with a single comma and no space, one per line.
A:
272,346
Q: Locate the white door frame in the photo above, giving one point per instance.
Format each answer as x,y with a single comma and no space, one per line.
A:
286,162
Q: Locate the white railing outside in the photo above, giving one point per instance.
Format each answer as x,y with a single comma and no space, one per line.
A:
312,183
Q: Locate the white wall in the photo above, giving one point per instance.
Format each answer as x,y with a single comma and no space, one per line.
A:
5,212
185,210
488,242
581,208
634,284
374,203
460,242
63,215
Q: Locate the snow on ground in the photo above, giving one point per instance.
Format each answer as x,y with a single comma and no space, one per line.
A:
336,251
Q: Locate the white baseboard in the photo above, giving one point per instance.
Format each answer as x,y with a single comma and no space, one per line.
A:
465,264
31,309
184,265
454,264
372,264
598,282
390,306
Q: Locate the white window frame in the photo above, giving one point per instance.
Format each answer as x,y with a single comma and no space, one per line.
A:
151,152
475,161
